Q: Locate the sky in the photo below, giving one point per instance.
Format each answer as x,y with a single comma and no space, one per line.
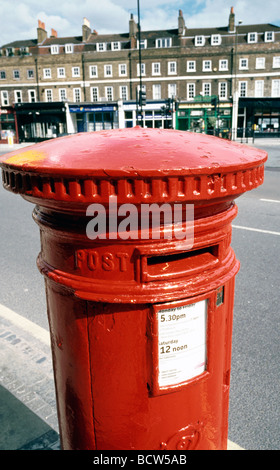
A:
19,19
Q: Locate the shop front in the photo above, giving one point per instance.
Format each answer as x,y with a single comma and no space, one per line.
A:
40,121
258,117
92,117
205,115
8,125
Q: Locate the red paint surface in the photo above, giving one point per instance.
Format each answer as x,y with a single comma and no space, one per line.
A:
103,296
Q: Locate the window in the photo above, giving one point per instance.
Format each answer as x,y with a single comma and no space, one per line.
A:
243,89
172,68
123,92
75,71
199,40
143,44
94,93
93,71
77,95
269,36
18,96
4,98
156,68
207,65
49,95
54,49
30,73
190,91
109,93
259,87
61,72
206,89
108,72
223,64
171,90
164,42
16,74
122,70
191,66
260,62
47,73
143,69
223,90
276,62
69,48
62,94
2,75
215,40
275,89
115,46
101,46
243,64
252,37
31,96
157,92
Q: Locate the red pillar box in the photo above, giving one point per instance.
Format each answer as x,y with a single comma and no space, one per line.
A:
140,297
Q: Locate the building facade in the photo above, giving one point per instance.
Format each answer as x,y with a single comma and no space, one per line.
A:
224,81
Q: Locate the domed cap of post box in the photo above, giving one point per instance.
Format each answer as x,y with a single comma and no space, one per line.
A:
137,165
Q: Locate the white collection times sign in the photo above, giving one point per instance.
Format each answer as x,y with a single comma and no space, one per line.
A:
181,343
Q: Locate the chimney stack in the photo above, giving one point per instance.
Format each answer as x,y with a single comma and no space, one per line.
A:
133,29
231,21
41,32
53,33
181,24
86,29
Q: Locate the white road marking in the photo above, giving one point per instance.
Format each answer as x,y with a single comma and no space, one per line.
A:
37,331
270,232
270,200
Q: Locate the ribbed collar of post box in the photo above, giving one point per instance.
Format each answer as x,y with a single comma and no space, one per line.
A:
137,165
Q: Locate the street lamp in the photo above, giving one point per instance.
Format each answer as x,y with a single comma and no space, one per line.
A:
235,90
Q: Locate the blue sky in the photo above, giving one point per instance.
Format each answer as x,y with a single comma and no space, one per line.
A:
19,19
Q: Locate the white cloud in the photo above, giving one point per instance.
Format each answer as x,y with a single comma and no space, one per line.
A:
19,18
